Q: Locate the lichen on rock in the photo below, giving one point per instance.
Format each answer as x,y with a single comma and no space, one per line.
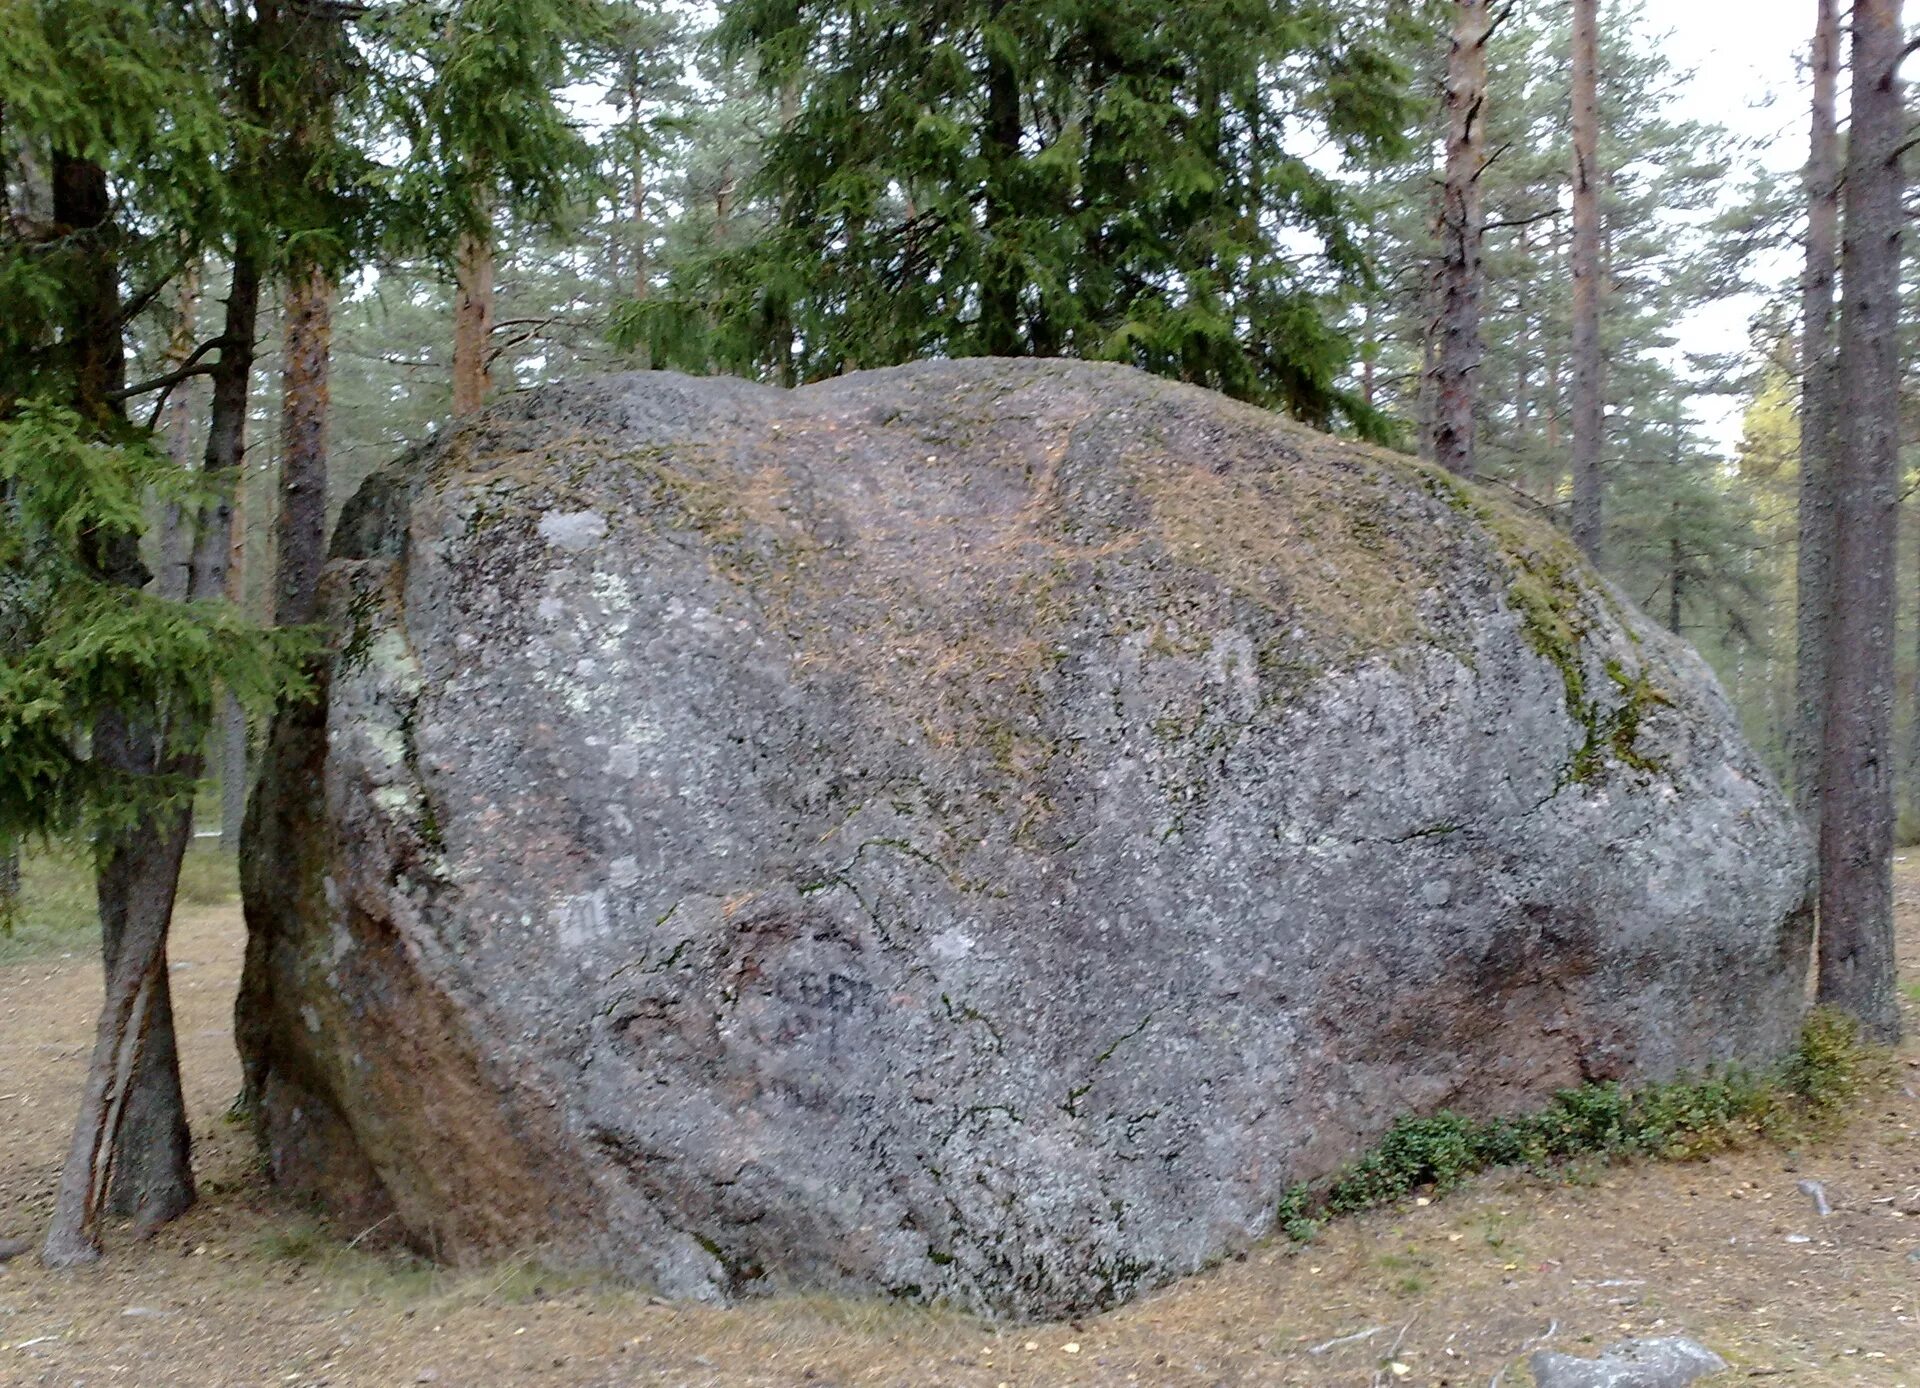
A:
978,831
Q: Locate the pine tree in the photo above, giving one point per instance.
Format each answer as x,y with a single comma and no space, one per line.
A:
1817,423
491,139
1462,229
1856,966
1589,419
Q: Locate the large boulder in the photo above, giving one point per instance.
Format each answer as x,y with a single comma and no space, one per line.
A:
975,831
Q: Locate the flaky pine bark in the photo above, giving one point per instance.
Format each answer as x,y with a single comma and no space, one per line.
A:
1588,411
300,524
1856,782
1813,603
472,323
1462,227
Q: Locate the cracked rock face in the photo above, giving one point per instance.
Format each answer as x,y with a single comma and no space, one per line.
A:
975,831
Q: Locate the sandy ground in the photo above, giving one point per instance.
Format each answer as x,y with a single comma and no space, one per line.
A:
248,1290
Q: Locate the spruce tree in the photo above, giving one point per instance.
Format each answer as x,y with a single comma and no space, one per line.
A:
1037,177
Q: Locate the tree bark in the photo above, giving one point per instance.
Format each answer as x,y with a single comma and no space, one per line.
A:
128,1030
132,1115
9,880
176,527
1813,603
1856,785
1462,227
472,323
1523,358
1588,411
637,175
300,523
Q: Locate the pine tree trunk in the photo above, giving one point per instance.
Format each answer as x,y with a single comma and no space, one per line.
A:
1462,226
176,529
1856,784
1813,609
1588,411
637,176
1523,364
234,772
472,323
300,523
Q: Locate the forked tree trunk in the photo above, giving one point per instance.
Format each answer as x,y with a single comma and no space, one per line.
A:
133,1108
1588,412
1462,226
472,323
1856,783
1813,579
300,525
128,1030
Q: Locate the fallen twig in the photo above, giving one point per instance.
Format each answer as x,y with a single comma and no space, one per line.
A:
1339,1340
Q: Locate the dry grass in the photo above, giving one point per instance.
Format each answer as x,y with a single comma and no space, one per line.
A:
57,913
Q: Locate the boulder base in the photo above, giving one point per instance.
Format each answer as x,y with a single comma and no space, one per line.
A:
975,831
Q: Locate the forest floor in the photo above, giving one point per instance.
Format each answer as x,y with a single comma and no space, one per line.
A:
247,1290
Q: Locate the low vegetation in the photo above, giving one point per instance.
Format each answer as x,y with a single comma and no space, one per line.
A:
1800,1098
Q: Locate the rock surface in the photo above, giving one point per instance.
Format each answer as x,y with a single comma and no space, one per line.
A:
976,831
1662,1363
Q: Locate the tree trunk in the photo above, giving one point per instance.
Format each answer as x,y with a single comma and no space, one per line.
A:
300,524
232,753
1814,565
128,1029
1462,226
1588,412
152,1177
637,175
1523,359
132,1115
1856,784
1000,151
472,323
176,528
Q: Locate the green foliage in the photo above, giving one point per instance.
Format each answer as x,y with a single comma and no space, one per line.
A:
1685,1118
475,89
76,647
1045,177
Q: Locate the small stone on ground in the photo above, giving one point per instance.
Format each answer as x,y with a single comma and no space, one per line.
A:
1661,1363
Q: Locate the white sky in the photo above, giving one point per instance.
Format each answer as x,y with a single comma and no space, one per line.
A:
1746,57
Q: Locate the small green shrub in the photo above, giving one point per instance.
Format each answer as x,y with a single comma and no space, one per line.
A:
1825,1074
